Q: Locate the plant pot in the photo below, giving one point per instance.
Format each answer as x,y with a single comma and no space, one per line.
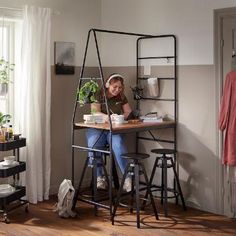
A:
3,89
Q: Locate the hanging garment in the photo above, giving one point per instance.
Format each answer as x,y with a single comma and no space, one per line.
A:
65,199
227,119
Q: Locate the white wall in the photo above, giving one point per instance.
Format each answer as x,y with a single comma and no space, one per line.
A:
71,21
190,20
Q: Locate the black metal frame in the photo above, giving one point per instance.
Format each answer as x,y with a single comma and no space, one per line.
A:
173,99
73,127
20,191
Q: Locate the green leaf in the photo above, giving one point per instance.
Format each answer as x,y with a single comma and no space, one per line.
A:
87,92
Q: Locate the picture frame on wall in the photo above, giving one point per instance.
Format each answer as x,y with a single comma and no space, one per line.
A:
64,58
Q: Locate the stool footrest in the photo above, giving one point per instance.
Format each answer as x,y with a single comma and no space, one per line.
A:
163,151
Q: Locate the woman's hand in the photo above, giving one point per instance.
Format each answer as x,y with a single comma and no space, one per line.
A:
126,110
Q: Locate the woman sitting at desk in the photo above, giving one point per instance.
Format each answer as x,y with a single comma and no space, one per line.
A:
117,104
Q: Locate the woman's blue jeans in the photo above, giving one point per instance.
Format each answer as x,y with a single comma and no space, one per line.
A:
96,140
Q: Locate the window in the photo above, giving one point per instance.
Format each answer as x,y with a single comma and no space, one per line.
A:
10,35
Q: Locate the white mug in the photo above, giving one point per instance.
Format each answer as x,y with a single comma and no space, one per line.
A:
119,119
88,118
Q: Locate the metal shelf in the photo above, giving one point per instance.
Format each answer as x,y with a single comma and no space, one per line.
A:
12,170
162,57
14,144
20,191
159,78
5,199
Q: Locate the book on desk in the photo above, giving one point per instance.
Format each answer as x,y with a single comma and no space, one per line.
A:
151,117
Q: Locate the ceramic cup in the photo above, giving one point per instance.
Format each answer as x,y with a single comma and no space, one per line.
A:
119,119
9,160
89,118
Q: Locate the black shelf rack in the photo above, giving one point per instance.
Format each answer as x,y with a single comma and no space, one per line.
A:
173,41
74,128
12,200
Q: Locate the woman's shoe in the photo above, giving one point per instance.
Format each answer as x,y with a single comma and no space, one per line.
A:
101,182
127,184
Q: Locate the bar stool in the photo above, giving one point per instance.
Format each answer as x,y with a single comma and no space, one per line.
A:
94,191
164,162
135,168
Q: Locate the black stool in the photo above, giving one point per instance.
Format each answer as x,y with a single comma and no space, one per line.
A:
162,162
94,192
134,168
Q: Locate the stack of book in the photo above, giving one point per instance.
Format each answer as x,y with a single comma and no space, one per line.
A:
152,117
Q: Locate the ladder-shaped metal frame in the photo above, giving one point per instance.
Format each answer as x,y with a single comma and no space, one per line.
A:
73,127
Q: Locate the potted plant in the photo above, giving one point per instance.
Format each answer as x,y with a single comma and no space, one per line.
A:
4,118
5,73
87,93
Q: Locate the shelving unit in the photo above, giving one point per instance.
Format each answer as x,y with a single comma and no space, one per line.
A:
11,201
75,127
172,99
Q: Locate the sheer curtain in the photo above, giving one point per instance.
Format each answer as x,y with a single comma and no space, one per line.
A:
33,99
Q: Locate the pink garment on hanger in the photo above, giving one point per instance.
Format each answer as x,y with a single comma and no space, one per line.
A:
227,119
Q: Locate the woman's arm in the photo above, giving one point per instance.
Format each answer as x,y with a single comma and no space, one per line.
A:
126,109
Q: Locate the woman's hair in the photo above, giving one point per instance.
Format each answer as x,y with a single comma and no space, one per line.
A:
112,79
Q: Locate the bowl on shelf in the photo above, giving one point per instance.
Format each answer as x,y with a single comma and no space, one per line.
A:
6,189
9,160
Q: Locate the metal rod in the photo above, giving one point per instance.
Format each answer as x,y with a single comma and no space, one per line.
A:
120,32
102,79
75,107
94,203
159,99
90,149
12,8
156,139
163,57
159,78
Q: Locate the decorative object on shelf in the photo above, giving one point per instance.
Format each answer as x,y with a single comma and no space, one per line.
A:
5,74
153,87
6,189
64,53
5,71
151,117
4,118
137,92
87,93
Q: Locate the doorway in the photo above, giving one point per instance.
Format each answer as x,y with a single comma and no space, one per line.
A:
225,43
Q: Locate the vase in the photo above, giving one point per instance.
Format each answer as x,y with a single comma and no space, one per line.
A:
3,89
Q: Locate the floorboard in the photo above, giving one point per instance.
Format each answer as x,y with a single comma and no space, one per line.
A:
41,220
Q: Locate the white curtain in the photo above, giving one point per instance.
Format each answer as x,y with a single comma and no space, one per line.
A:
33,100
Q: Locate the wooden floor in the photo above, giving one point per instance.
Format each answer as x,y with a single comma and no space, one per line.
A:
41,220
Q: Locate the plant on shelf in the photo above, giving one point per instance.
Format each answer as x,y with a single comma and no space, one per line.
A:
87,93
4,118
5,74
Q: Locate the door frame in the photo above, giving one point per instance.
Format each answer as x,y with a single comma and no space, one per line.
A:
219,15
